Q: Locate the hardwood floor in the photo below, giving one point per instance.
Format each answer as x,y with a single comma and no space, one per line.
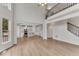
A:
36,46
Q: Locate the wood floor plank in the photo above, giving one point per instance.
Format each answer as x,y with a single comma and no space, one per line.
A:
36,46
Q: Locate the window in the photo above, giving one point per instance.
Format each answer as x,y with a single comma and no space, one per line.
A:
5,31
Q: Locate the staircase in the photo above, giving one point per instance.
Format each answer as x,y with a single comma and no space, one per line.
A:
73,29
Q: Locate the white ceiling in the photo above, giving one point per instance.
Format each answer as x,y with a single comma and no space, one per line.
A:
7,5
50,5
30,12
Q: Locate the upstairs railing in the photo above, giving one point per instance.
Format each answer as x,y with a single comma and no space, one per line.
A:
58,8
73,29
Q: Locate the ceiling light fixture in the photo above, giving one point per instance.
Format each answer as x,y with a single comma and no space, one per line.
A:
43,4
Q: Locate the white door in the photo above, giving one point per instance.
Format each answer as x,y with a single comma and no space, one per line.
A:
5,34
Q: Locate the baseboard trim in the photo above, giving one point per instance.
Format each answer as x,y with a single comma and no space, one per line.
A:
7,48
66,42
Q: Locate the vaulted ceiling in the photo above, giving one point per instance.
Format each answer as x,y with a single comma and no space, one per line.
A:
30,12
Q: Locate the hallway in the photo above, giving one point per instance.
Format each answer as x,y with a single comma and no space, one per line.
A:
36,46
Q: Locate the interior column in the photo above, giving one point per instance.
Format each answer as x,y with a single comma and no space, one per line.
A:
45,30
34,27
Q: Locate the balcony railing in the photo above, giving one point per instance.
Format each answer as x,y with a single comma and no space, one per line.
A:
58,8
73,29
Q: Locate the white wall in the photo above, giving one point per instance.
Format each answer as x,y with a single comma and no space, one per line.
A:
60,33
74,21
49,30
4,12
39,30
30,31
20,31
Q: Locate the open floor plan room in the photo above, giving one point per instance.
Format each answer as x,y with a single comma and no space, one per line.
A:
39,29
